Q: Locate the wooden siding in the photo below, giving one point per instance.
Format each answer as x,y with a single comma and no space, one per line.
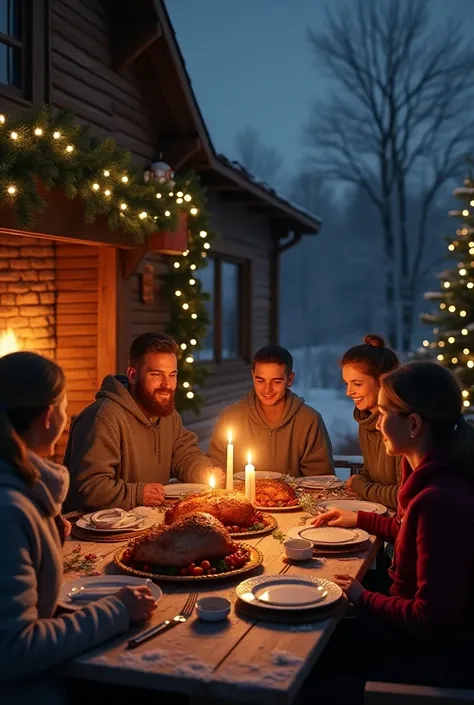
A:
77,295
83,79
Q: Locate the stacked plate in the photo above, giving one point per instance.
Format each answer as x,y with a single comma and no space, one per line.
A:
278,596
332,539
176,490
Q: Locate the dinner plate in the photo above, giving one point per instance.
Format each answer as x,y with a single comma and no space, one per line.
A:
92,588
177,489
353,505
139,524
319,482
330,536
288,592
260,475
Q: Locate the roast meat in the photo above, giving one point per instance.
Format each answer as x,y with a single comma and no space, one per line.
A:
231,508
190,539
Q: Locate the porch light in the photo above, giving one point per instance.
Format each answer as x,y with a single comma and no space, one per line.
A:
8,342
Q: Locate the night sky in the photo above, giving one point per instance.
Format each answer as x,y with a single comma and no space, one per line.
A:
250,64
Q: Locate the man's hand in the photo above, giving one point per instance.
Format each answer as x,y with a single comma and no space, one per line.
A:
349,487
153,494
67,527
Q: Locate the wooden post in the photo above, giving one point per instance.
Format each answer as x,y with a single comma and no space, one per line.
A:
107,314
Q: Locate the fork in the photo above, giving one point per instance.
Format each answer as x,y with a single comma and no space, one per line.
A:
185,614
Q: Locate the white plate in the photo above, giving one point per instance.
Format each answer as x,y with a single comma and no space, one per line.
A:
354,505
102,585
316,535
138,525
323,482
288,592
260,475
181,488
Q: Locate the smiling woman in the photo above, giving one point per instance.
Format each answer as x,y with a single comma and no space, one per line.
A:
362,367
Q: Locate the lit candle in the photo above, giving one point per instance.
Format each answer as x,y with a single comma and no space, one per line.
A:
230,463
250,480
212,482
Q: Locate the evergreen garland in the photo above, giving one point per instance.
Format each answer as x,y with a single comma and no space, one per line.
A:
40,150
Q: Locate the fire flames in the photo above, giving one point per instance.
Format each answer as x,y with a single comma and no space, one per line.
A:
8,342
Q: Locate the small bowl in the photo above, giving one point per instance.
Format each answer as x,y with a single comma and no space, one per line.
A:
298,549
213,609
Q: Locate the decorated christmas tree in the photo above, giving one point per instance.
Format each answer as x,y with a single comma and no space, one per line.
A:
452,319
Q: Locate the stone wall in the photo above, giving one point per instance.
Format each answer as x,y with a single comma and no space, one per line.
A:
28,291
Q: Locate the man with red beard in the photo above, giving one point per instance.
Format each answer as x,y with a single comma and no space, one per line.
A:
124,446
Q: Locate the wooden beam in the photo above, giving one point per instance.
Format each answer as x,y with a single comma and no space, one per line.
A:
178,150
131,38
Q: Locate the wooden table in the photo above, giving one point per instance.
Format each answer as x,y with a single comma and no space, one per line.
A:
223,661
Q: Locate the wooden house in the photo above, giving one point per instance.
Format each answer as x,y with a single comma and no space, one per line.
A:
73,290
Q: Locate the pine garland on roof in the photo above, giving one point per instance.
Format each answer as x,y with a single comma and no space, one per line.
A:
40,150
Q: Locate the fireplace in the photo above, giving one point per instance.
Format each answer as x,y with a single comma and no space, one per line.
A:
49,296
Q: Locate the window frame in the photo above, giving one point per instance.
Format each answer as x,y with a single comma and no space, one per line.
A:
244,299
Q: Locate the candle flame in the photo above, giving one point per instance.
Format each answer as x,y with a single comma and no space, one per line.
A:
229,437
249,458
8,342
212,482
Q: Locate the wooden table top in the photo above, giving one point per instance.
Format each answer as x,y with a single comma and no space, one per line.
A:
241,659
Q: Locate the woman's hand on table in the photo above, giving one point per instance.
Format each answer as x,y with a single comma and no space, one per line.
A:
351,587
336,517
139,602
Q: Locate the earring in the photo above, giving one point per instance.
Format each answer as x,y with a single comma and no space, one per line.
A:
412,435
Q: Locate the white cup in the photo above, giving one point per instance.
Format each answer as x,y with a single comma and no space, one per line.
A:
298,549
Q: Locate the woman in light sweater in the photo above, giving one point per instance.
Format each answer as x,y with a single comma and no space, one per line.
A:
362,367
32,488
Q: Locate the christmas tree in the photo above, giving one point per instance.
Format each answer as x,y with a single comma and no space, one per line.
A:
453,318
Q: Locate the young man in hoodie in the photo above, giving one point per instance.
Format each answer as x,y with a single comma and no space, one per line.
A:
281,431
124,446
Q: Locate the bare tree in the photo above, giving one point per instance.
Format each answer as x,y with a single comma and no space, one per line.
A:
256,157
400,120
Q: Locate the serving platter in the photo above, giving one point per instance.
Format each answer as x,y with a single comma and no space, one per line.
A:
270,525
255,559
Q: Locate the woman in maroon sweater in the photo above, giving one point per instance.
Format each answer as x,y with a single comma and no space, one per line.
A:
432,573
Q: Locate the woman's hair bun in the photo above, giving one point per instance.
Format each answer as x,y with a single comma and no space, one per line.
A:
377,341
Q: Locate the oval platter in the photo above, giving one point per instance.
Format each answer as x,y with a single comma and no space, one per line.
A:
256,559
270,525
291,508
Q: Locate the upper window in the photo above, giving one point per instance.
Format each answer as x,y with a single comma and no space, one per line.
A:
12,43
227,333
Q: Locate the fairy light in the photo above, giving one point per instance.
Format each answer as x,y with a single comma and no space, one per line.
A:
125,179
194,316
466,351
179,201
70,148
441,343
11,190
194,211
469,285
187,198
167,213
463,314
185,307
186,385
123,206
451,248
108,192
180,194
471,251
471,203
454,360
171,194
183,346
470,364
451,339
158,195
203,233
465,212
426,343
176,265
190,395
440,357
192,282
143,215
466,403
465,393
464,231
177,292
190,359
2,119
38,131
14,135
207,246
56,135
96,187
452,309
462,272
464,331
193,267
442,306
446,285
203,254
193,341
106,173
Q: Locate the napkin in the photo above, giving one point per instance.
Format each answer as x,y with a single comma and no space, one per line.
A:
111,518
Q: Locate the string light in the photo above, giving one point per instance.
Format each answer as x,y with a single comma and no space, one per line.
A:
194,316
180,194
446,285
123,206
441,343
190,395
452,309
194,211
143,215
177,292
186,385
454,360
203,233
462,272
106,173
188,198
464,331
70,148
171,194
176,265
465,212
2,119
96,187
11,190
451,247
470,364
463,314
14,135
108,192
167,213
190,359
125,179
451,339
193,267
469,285
466,351
185,306
207,246
56,135
38,131
464,231
471,203
440,357
185,253
179,201
193,341
183,346
158,195
192,282
442,306
466,403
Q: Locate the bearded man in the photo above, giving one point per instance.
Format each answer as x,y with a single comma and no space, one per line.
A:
127,444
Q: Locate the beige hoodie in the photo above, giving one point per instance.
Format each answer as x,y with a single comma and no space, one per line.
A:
113,450
32,638
298,444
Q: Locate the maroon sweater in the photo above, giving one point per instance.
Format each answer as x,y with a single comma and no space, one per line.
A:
433,566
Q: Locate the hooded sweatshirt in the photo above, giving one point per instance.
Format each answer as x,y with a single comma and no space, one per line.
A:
114,450
379,478
32,639
297,444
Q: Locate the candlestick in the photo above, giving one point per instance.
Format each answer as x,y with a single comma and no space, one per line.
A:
212,482
250,480
230,464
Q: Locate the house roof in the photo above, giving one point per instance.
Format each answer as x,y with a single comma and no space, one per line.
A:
216,170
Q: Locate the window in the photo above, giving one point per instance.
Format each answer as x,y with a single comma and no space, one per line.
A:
227,335
12,43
